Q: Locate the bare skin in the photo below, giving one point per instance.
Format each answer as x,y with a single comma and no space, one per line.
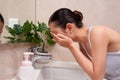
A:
103,40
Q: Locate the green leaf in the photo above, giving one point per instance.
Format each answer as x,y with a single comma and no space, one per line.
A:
11,39
27,27
50,42
42,27
18,29
11,31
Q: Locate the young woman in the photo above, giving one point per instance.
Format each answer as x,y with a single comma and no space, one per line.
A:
99,53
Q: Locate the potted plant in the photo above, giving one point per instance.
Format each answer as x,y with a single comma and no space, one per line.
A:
30,32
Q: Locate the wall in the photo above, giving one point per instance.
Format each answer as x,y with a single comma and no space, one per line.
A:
96,12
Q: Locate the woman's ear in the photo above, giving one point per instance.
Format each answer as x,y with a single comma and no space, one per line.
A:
69,28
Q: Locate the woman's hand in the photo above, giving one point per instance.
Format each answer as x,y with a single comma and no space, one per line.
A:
63,40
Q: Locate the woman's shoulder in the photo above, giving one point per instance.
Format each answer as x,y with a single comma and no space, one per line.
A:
100,33
103,29
104,32
98,27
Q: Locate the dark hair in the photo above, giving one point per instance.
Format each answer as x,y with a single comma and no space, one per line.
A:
1,18
64,15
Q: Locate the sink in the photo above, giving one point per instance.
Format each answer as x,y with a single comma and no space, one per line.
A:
62,71
54,70
61,74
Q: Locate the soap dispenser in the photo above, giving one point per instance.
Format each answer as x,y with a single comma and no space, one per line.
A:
26,61
26,69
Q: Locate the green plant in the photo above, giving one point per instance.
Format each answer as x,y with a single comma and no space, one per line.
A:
29,32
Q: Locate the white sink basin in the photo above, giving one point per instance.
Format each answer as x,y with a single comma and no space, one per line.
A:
61,74
62,71
55,71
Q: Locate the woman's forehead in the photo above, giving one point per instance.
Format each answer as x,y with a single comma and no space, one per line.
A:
55,28
52,24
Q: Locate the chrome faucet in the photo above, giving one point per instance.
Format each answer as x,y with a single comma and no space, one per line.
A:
41,59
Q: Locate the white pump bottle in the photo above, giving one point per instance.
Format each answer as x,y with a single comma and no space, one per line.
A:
26,70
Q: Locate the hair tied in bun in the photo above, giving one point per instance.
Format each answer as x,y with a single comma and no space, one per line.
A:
78,15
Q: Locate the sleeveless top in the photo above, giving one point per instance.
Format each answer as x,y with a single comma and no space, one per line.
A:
112,62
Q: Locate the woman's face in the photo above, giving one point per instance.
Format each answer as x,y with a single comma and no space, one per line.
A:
57,30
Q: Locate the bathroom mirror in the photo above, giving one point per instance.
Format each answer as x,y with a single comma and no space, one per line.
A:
95,12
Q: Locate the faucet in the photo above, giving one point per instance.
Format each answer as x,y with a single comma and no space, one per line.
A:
40,59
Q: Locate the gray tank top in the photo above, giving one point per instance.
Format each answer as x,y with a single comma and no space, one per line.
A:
113,62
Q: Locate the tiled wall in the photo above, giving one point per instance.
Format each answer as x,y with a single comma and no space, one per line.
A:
16,50
95,12
60,53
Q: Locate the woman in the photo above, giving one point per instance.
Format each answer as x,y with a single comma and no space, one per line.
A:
99,53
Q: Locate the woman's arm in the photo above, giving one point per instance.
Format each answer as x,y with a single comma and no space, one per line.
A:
83,51
100,42
95,68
